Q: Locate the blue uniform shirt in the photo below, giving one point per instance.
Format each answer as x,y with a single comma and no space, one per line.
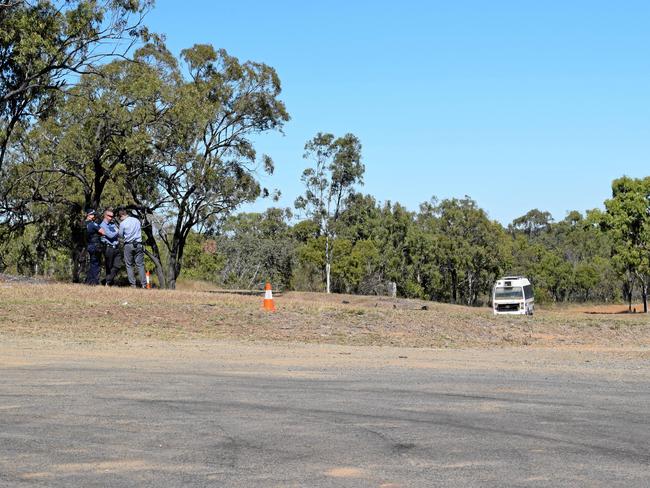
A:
110,233
92,233
131,230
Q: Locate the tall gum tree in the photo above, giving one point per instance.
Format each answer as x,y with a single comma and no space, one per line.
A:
627,219
337,170
203,163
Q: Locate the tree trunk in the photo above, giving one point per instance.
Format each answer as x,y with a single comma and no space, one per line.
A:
160,271
173,268
628,290
327,263
171,271
327,277
155,252
643,281
78,263
175,259
454,287
629,302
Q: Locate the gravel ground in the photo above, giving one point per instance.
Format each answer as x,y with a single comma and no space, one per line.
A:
227,413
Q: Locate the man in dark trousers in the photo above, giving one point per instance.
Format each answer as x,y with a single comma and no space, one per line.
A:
131,232
93,235
111,247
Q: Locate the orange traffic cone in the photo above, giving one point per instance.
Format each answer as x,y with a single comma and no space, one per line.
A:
148,275
268,298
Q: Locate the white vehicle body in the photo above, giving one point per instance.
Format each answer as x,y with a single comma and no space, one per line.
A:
513,295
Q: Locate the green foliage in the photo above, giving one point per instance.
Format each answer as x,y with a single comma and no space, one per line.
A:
255,248
532,223
43,43
203,162
628,221
202,260
355,266
329,184
172,144
27,254
308,273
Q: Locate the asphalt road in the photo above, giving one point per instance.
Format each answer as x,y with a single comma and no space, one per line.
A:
122,422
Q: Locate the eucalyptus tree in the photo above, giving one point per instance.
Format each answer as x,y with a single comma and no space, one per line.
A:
533,223
256,247
337,170
44,44
85,154
204,163
470,247
627,219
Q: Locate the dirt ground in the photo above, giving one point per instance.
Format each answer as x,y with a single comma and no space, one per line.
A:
207,412
122,387
98,314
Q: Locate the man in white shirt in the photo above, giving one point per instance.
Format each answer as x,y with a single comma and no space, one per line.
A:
131,232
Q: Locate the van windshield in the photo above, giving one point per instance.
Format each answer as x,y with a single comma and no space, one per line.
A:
501,292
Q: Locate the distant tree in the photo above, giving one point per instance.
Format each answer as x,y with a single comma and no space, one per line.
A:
394,225
627,219
360,218
554,274
203,258
532,223
586,278
355,266
471,250
256,247
337,169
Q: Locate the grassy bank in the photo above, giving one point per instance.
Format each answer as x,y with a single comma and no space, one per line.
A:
77,312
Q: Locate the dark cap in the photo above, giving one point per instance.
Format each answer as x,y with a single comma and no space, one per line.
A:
90,211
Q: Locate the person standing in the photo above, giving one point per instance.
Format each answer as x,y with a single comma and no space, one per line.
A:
93,235
131,232
111,247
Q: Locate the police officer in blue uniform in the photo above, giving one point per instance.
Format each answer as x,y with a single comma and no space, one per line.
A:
93,245
110,246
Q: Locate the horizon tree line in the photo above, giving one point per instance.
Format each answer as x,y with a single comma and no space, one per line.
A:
95,111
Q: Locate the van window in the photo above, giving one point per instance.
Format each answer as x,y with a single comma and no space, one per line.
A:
502,292
528,291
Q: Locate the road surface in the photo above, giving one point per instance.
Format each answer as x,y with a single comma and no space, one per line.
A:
238,415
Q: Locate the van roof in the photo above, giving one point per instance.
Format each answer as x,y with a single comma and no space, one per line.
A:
513,281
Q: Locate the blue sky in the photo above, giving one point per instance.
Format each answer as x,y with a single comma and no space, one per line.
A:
517,104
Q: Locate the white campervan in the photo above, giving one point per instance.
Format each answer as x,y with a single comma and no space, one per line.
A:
513,295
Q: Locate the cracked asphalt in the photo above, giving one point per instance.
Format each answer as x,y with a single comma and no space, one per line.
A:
237,415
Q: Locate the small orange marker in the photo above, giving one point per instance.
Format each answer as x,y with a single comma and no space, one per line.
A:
148,275
268,298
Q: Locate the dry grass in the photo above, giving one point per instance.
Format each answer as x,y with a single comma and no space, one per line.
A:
80,313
